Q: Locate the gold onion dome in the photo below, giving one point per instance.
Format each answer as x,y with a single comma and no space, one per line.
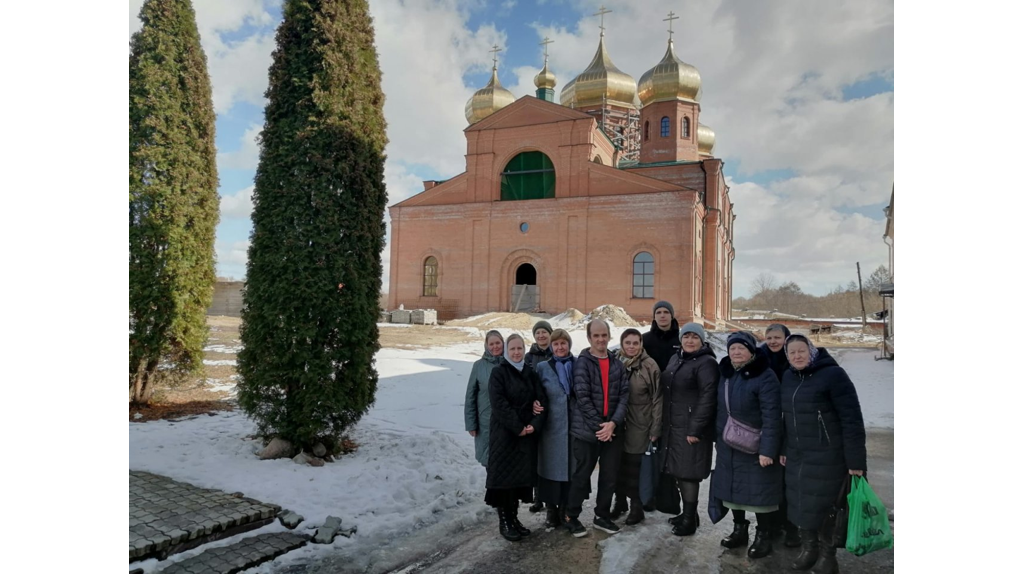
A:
488,99
705,139
545,79
672,79
600,82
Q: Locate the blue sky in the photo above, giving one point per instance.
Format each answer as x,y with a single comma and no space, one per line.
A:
800,97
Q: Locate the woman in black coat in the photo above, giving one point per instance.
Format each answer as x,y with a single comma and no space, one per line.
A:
824,443
512,458
690,385
775,344
746,482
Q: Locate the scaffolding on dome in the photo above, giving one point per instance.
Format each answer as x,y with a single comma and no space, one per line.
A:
621,125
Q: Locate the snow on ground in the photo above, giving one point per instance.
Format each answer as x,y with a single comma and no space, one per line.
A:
415,464
214,363
223,348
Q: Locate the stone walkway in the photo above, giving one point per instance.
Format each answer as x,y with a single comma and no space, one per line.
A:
242,555
166,516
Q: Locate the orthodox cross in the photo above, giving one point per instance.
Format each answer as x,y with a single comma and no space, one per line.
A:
545,44
495,50
671,16
601,13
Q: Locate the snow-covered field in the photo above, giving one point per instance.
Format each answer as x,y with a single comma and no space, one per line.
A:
414,465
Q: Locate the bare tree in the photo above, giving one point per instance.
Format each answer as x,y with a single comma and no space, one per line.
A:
763,284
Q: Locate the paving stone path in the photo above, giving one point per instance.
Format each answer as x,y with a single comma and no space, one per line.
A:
241,555
166,516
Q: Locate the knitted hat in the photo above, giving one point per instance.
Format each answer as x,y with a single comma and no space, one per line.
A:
666,305
542,325
694,328
777,327
743,338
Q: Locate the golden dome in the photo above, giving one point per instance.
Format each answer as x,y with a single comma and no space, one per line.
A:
705,139
545,79
672,79
600,82
488,99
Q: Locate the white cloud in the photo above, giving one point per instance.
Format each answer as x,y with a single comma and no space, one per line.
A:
247,156
237,205
231,258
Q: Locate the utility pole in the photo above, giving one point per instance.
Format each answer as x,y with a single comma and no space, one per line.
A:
863,313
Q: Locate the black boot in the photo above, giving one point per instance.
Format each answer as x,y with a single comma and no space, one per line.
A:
538,505
792,535
505,527
619,508
827,563
740,534
554,517
636,512
689,523
762,545
808,550
514,522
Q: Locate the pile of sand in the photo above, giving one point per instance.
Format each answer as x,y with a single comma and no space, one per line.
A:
617,316
487,321
570,319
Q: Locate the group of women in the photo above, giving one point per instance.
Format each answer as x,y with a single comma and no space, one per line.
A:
783,416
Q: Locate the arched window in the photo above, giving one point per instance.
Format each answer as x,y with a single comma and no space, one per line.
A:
430,277
530,175
665,123
647,131
686,129
643,276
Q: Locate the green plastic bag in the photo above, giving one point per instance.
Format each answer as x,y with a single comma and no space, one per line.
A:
868,527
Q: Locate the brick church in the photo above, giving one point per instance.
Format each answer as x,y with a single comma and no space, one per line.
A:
611,195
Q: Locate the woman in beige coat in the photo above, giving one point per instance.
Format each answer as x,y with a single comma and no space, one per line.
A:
643,422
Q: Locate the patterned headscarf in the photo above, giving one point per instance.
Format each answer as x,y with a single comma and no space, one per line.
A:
810,347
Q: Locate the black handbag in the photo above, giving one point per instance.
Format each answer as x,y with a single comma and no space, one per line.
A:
833,529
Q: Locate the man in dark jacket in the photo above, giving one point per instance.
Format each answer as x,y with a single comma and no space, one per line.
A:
598,407
662,341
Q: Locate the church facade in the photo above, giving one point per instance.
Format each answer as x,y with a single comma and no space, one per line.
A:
611,196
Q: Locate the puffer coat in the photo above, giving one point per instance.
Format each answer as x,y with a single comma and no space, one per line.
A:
689,385
536,356
662,345
512,459
753,399
478,403
587,400
824,437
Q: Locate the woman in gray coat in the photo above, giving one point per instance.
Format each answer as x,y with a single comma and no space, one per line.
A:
555,461
478,403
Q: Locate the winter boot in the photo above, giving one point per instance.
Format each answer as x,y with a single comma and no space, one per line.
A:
619,508
827,563
636,513
505,527
554,517
514,522
762,545
689,523
808,550
537,506
792,535
740,534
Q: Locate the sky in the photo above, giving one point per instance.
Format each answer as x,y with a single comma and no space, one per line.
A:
799,94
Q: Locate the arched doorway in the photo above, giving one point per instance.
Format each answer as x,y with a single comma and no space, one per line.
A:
525,293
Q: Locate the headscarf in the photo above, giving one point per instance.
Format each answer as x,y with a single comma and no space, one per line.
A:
521,363
810,347
631,362
487,352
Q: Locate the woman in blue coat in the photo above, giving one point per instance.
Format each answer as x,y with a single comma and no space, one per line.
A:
825,443
749,390
554,460
478,403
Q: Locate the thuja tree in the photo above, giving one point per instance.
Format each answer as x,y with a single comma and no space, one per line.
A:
172,196
309,315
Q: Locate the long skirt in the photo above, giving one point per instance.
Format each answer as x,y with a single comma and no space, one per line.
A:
508,497
553,492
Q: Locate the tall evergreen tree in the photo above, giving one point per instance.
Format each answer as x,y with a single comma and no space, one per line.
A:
173,207
309,315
